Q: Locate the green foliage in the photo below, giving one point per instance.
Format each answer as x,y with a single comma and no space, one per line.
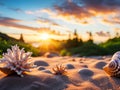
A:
6,42
67,47
64,52
4,45
112,45
0,53
30,48
88,49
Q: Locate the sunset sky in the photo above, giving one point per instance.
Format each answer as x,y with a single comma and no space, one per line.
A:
33,17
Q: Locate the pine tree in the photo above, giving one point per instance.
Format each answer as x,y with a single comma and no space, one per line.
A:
21,38
90,37
75,39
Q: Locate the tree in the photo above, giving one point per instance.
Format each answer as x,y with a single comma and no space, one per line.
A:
21,38
117,35
75,39
90,37
80,41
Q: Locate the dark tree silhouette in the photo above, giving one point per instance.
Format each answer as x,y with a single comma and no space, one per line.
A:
75,34
75,42
117,35
90,37
69,36
109,35
21,38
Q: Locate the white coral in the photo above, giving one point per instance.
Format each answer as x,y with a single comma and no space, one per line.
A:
17,60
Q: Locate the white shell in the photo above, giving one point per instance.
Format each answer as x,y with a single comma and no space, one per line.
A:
16,60
113,67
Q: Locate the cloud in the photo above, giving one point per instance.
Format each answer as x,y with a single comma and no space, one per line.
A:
103,34
101,3
42,12
11,8
117,29
16,9
112,20
80,11
71,10
101,6
10,22
84,9
29,12
66,18
47,21
7,19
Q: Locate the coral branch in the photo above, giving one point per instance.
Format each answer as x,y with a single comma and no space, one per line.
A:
16,60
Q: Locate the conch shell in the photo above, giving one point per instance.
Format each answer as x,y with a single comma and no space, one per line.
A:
113,67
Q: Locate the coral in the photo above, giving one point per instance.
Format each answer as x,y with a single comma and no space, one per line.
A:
16,60
59,70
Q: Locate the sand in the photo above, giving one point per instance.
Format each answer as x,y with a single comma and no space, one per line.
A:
83,73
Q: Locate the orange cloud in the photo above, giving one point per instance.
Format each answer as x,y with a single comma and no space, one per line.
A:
84,9
80,11
112,20
72,10
47,21
10,22
103,34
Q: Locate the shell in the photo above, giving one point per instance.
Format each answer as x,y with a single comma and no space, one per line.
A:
113,67
16,61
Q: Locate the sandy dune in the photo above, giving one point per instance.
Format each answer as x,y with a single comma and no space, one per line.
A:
82,74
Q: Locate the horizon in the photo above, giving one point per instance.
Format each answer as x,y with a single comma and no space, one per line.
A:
59,18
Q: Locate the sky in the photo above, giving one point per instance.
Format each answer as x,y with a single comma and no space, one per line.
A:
60,18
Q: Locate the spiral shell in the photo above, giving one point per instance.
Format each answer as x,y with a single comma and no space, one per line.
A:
113,67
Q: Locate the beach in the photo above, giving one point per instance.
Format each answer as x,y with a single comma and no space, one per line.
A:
82,73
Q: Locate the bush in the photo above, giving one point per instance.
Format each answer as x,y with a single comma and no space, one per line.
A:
64,52
112,47
88,49
4,45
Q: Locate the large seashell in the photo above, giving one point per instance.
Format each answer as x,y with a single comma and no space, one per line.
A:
16,61
113,67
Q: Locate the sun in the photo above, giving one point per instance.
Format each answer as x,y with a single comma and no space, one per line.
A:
44,36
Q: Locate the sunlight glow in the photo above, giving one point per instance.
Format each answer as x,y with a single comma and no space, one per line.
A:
44,36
